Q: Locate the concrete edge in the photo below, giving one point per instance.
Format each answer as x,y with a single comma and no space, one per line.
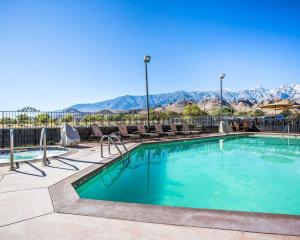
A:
66,200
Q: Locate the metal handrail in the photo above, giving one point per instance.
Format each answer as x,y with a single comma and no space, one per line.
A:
43,142
113,135
11,136
287,128
109,140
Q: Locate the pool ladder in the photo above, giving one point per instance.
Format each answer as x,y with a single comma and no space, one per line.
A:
43,143
111,139
286,130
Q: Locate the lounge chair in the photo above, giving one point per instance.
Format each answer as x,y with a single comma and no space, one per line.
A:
186,128
246,125
142,131
159,130
124,133
96,132
174,129
236,126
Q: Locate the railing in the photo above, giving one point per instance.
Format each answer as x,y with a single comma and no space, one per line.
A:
18,119
27,125
43,146
277,125
111,139
12,147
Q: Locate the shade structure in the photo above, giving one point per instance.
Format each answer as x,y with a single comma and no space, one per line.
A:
281,105
296,106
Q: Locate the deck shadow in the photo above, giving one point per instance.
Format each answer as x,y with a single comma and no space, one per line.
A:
42,173
80,161
73,167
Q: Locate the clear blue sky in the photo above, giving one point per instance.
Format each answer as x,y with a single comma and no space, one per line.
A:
57,53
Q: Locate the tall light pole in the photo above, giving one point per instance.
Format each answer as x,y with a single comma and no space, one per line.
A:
221,93
147,60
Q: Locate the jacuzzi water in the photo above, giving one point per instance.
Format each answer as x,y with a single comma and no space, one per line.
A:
29,155
250,173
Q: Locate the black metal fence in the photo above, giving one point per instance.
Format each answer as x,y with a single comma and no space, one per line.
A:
28,125
277,125
18,119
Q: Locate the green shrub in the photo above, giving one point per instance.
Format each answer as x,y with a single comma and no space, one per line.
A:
22,118
226,111
67,118
42,118
257,113
93,118
192,110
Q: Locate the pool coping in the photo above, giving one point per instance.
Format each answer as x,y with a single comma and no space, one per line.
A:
66,200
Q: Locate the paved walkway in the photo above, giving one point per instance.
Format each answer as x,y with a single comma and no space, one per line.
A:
26,210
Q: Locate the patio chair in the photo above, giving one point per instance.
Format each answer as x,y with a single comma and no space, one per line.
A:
236,126
96,132
246,125
142,131
173,128
159,130
124,133
186,128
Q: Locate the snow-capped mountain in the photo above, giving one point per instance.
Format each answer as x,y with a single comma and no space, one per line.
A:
291,92
127,102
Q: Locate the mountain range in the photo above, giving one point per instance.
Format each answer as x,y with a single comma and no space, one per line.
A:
127,102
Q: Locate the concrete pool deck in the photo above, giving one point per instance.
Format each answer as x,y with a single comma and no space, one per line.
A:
27,211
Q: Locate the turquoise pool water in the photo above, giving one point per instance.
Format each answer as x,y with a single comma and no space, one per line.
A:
29,155
254,174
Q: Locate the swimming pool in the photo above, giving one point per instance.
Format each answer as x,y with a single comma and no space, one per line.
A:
239,173
30,154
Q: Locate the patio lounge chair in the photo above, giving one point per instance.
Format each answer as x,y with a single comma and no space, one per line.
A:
246,125
124,133
159,130
186,128
142,131
96,132
174,129
236,126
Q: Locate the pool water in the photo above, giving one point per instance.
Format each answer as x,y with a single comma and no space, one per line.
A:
30,155
250,173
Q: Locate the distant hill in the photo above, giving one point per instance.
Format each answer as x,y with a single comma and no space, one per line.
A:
244,98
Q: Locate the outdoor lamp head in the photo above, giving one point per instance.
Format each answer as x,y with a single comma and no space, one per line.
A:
147,59
222,76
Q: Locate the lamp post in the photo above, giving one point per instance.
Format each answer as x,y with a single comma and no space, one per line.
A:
221,92
147,60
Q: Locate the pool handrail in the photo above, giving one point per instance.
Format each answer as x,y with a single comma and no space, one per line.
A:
286,130
110,139
11,137
43,141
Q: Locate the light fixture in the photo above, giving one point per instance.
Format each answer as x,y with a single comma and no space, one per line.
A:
147,59
222,76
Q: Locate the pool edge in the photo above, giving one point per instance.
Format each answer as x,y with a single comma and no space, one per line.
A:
66,200
69,151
